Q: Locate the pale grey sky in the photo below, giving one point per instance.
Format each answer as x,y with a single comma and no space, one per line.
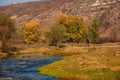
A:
8,2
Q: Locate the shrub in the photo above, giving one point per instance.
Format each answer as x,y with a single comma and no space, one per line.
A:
7,30
30,32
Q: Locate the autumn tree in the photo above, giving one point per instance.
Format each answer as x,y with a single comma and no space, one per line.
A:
7,30
75,27
31,32
57,34
93,31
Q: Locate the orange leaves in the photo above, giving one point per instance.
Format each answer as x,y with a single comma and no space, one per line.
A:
30,31
32,24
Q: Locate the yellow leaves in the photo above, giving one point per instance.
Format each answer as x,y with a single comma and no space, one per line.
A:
60,16
71,19
65,19
75,26
30,31
32,24
30,39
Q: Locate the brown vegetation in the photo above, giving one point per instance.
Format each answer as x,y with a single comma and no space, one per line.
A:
7,30
91,63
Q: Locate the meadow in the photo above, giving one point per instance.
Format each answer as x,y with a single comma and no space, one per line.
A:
97,62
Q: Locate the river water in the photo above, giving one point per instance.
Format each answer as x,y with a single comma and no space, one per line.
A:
25,69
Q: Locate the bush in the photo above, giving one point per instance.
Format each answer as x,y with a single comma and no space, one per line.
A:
7,30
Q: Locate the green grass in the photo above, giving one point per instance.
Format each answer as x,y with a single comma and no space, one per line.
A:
19,57
103,74
85,66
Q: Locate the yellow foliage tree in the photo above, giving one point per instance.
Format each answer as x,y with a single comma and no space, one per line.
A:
75,26
30,32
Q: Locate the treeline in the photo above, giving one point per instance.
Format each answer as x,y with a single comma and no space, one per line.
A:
68,29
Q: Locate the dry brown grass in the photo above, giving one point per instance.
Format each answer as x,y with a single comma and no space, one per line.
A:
3,55
69,50
90,63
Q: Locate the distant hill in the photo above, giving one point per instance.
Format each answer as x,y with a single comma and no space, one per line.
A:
107,11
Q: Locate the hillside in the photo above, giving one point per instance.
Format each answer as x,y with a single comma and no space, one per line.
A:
106,10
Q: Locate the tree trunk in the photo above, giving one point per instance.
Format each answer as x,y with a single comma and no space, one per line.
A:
88,40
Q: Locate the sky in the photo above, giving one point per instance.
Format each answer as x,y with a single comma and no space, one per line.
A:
8,2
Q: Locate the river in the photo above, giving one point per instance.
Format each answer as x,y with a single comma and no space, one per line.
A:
24,69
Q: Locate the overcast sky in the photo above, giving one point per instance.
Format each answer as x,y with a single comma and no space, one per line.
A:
8,2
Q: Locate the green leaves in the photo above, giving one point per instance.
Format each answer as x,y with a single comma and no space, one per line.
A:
94,35
58,34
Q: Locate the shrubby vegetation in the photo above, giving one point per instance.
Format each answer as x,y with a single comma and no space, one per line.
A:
68,28
30,32
93,35
7,30
57,34
76,28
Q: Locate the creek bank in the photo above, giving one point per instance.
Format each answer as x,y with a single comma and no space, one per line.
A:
24,69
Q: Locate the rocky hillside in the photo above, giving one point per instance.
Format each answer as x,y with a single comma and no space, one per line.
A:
107,11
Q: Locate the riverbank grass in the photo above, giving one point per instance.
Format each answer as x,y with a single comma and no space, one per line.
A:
85,66
3,55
